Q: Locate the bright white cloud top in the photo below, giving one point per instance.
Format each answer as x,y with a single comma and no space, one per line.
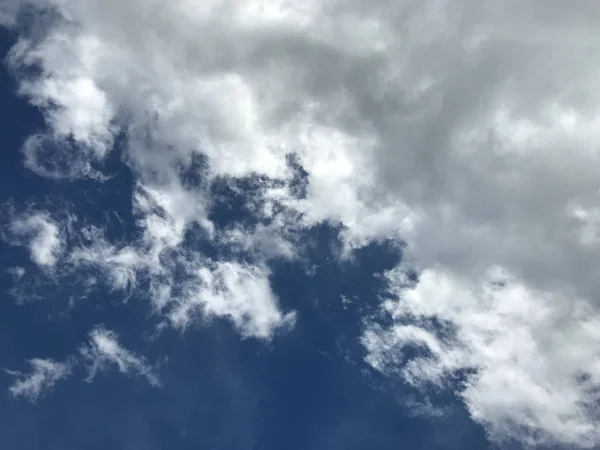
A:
465,130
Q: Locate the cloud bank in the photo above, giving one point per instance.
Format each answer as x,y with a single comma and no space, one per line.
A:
465,132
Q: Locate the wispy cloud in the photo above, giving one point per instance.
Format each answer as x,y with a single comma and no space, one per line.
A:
527,359
44,374
100,353
104,350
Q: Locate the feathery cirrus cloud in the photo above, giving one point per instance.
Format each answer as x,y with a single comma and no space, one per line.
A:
98,354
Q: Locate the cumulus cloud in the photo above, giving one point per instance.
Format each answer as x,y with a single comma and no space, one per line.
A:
104,350
465,130
44,374
529,359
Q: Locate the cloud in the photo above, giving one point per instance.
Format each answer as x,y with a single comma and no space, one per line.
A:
466,130
528,359
104,350
118,266
41,234
9,11
239,292
58,159
178,280
42,378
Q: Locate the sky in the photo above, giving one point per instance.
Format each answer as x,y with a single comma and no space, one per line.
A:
334,224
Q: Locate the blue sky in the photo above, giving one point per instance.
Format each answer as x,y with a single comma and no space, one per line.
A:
339,225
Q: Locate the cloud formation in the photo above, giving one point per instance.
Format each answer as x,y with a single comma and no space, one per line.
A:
528,359
104,350
238,292
40,234
44,374
466,131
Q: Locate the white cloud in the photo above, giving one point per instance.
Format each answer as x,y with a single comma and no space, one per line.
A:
183,284
100,352
118,266
42,378
238,292
467,130
104,350
41,234
57,158
529,358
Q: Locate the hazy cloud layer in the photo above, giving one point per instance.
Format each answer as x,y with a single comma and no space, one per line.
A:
467,131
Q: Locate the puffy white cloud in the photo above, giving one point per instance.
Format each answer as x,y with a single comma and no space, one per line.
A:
41,234
104,350
239,292
529,358
41,379
466,130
